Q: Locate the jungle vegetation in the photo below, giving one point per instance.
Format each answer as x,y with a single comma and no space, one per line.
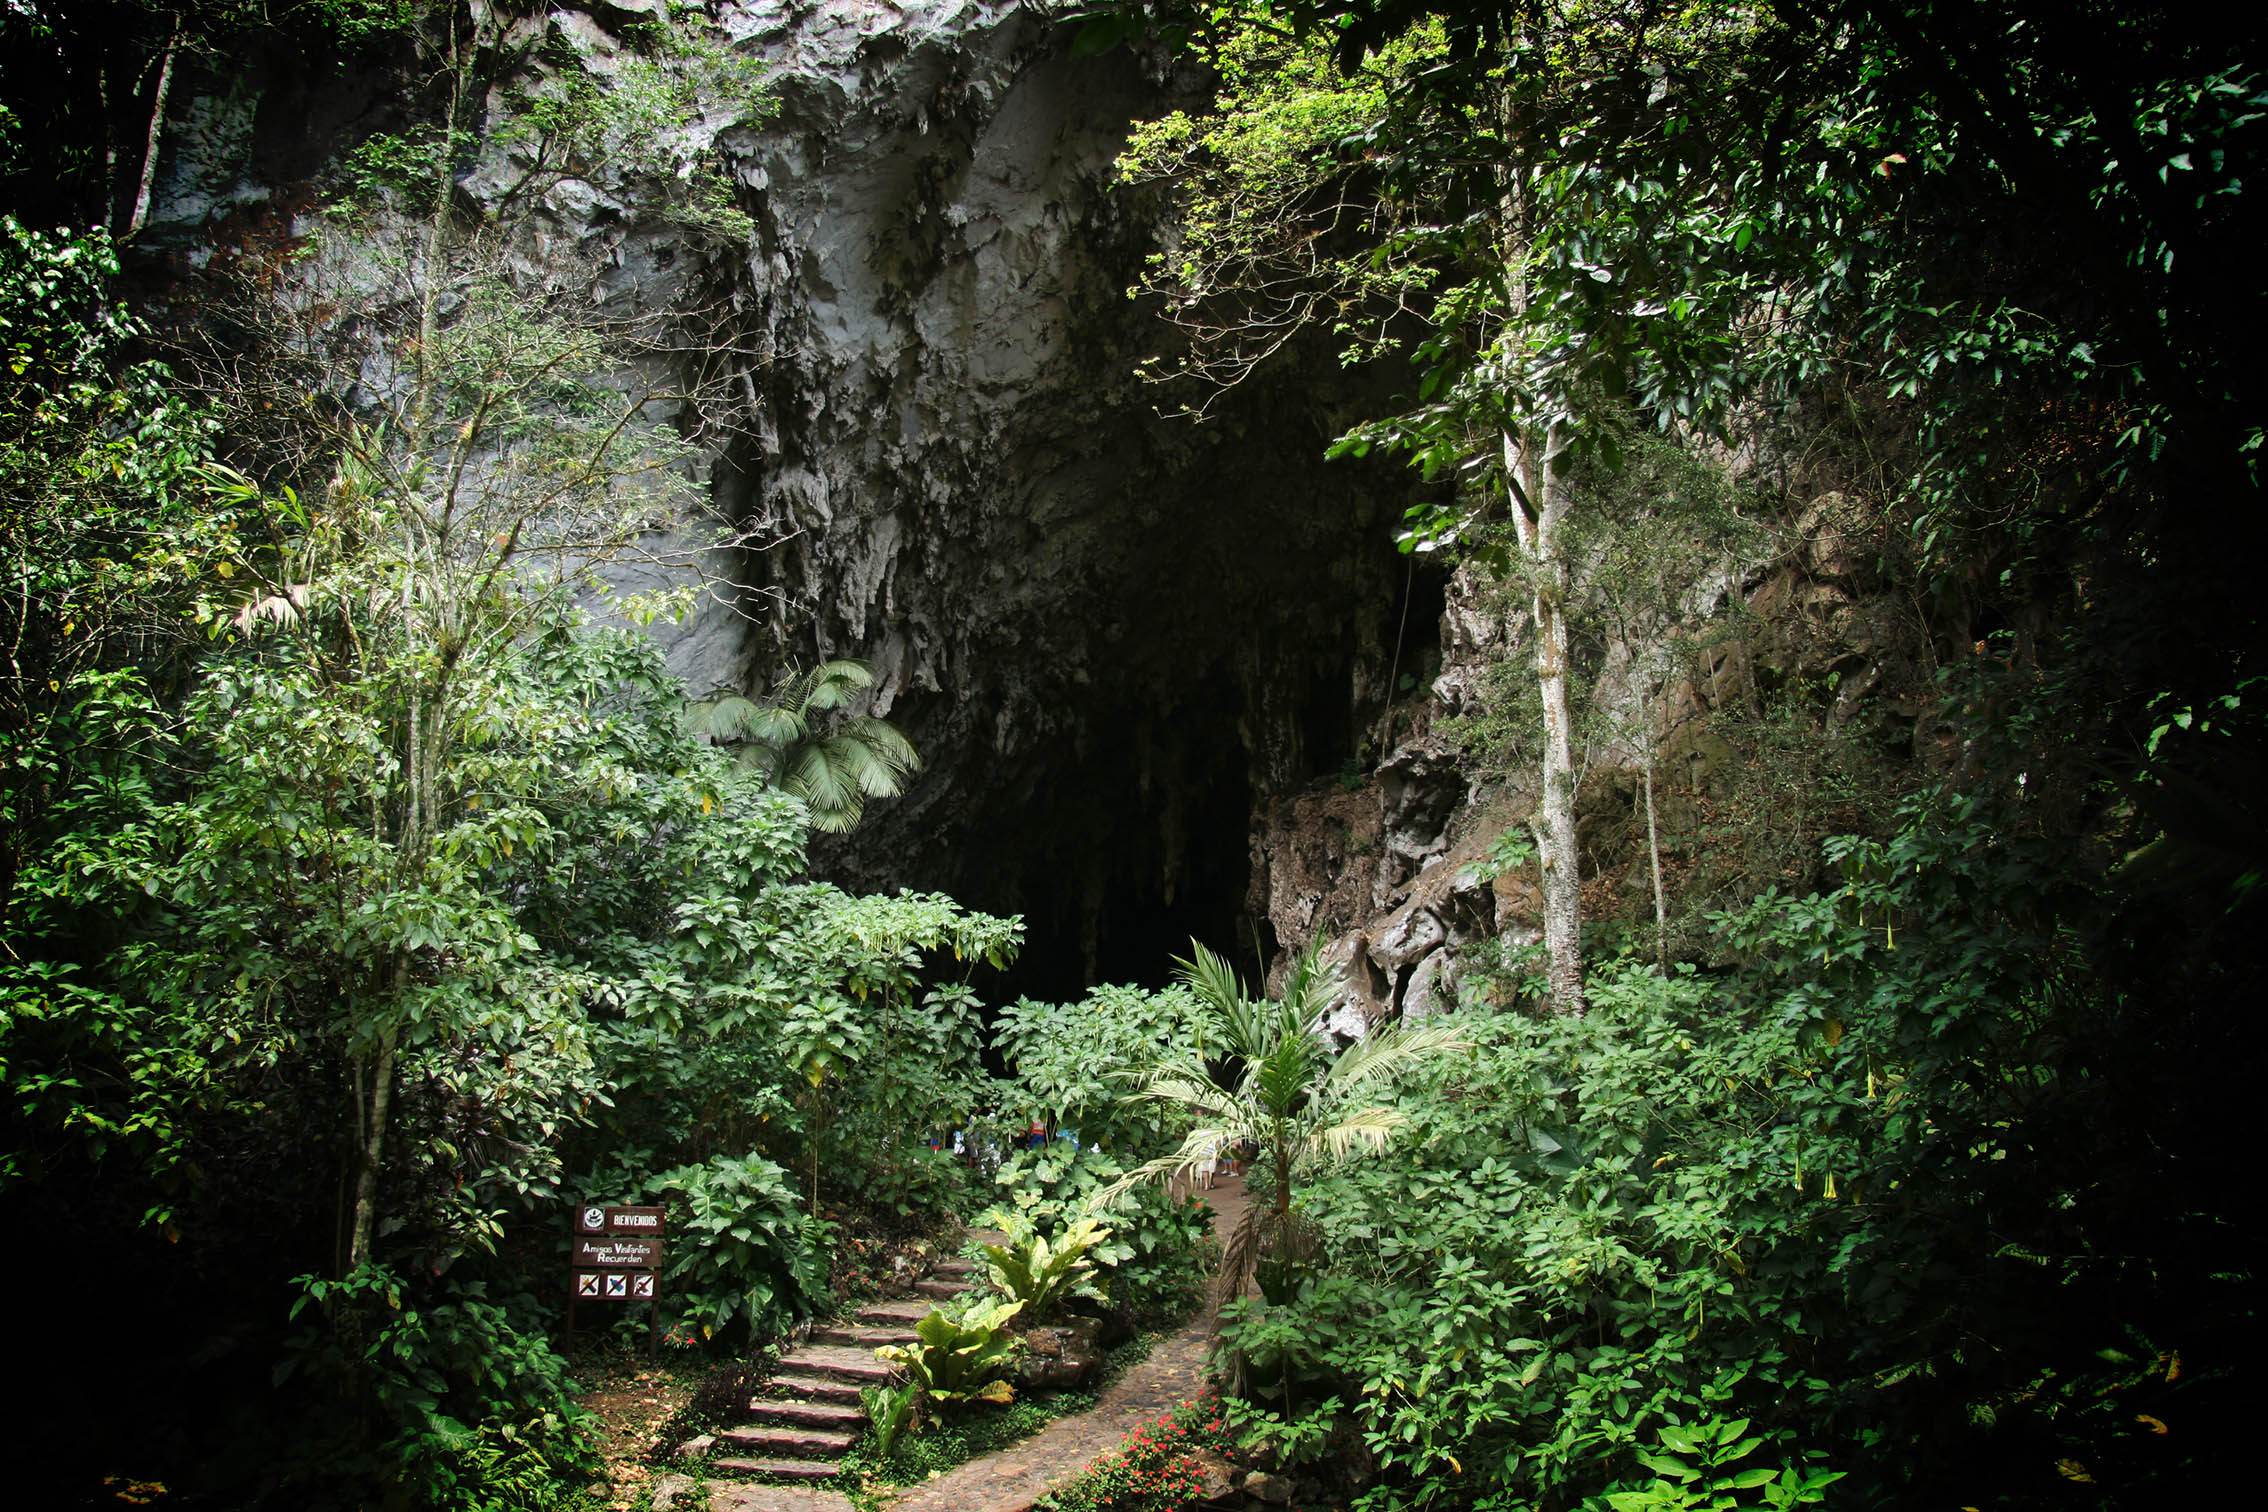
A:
369,889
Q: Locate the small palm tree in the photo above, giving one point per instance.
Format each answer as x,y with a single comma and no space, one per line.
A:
803,741
1264,1073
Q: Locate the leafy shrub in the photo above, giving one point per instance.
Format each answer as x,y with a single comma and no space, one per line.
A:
1039,1272
1074,1062
1694,1472
1051,1186
890,1410
960,1359
430,1365
1154,1470
1173,1256
1161,1250
1569,1254
744,1252
1871,1152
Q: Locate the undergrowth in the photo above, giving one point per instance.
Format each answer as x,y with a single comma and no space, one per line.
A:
1156,1469
869,1479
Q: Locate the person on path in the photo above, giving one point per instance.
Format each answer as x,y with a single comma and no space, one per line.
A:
1208,1163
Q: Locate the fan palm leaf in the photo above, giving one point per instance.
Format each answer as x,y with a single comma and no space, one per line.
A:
776,726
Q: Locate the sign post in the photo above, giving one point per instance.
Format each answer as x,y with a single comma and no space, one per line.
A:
617,1258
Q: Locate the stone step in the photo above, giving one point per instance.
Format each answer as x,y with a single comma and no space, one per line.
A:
938,1289
898,1314
785,1443
950,1269
843,1364
856,1337
834,1415
725,1496
805,1470
809,1388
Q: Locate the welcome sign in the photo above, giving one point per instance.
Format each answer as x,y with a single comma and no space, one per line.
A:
617,1252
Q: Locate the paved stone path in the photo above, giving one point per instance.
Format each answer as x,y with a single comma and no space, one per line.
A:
1014,1478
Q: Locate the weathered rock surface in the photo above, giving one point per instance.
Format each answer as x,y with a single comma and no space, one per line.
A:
1137,654
1108,633
1393,871
1061,1357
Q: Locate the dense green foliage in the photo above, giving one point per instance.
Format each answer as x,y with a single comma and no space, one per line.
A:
366,899
1039,1271
1862,1180
1261,1073
367,905
962,1357
1889,1169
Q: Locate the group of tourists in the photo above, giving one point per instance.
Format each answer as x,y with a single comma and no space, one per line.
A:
978,1141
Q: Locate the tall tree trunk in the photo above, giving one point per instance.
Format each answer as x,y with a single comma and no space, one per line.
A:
1283,1154
109,146
373,1154
436,241
1654,853
141,215
1539,508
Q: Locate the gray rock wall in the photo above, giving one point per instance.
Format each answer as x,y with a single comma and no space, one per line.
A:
1111,635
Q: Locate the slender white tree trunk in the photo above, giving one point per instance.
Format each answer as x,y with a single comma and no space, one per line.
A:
141,214
1539,508
1654,853
373,1153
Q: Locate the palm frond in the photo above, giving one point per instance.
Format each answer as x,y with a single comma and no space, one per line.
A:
854,766
1199,1145
835,803
873,765
1364,1131
1283,1080
766,761
1309,983
830,685
1200,1097
1212,979
774,725
1391,1050
720,719
1241,1255
885,739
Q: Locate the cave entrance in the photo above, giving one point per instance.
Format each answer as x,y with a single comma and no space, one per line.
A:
1128,850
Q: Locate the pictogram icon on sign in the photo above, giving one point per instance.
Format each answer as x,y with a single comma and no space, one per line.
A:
587,1284
618,1286
594,1219
642,1286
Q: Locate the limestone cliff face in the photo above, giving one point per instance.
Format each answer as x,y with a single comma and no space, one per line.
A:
1110,634
1392,871
1106,631
1147,662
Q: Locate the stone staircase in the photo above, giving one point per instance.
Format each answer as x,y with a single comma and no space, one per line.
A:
808,1414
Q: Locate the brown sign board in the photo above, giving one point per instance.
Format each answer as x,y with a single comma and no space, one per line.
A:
614,1286
598,1218
635,1254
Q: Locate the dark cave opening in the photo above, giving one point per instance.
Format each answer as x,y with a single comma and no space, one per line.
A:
1327,735
1136,844
1127,829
